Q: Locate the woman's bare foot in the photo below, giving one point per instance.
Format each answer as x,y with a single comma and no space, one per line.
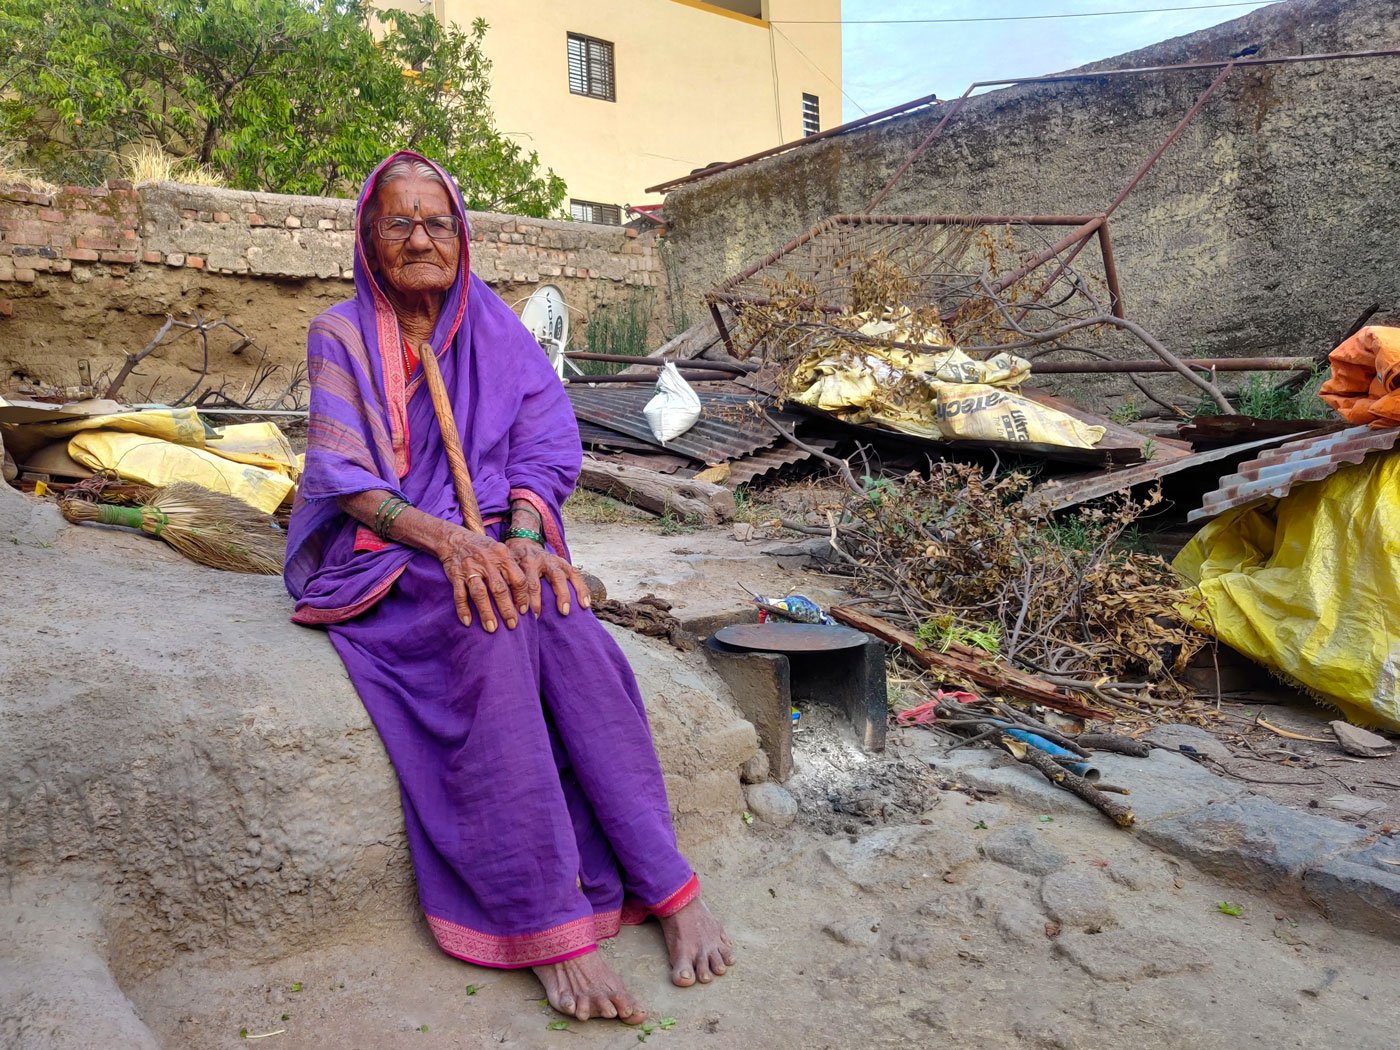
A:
586,986
698,946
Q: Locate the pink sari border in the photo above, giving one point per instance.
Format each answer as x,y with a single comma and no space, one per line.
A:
553,537
314,617
566,941
634,912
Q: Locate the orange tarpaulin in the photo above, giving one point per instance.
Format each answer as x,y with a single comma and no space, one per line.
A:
1365,382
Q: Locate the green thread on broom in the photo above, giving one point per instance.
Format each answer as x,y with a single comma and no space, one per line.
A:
132,517
110,514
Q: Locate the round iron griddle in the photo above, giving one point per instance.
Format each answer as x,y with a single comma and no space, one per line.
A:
790,637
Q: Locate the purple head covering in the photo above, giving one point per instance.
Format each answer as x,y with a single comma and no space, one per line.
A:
516,425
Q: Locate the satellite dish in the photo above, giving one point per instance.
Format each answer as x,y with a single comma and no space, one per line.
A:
546,315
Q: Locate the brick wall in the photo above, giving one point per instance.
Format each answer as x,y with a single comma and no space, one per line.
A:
49,233
91,273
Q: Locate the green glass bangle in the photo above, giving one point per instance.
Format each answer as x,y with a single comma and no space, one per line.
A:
525,534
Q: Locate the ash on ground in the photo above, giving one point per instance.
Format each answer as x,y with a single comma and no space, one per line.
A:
841,789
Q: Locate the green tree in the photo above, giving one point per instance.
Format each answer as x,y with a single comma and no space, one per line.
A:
291,96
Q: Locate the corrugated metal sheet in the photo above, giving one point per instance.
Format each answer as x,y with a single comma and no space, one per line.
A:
743,471
1297,462
726,429
1063,493
594,436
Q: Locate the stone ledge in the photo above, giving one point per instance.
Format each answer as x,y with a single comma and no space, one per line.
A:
1220,828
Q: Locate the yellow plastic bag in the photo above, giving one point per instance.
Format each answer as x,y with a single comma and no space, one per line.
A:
935,395
180,425
1309,586
151,461
260,444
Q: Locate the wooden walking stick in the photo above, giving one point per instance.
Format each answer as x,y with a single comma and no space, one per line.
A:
456,459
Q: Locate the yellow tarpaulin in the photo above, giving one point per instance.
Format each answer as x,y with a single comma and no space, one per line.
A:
259,444
1309,586
151,461
180,425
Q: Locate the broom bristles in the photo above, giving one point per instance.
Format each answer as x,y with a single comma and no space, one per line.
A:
208,527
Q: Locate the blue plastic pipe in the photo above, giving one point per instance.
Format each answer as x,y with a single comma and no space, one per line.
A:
1079,766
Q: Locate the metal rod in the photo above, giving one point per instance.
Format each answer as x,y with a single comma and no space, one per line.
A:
621,377
1205,364
1110,271
953,109
1053,78
1038,260
884,114
1166,144
732,367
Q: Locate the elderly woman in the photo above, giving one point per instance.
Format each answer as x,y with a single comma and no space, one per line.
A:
534,803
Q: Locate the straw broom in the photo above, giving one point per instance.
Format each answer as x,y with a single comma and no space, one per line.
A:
205,526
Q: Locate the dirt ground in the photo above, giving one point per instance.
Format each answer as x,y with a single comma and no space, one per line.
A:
897,911
906,934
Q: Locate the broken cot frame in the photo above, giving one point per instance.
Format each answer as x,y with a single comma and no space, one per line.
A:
827,241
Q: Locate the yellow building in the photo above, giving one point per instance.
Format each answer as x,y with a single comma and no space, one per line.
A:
619,95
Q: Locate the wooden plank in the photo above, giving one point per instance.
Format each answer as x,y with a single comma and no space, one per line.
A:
972,664
658,493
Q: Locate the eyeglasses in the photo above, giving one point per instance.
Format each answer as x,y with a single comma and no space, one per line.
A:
400,227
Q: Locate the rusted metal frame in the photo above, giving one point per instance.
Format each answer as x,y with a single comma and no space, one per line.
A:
953,108
733,368
1053,78
840,129
774,256
1220,364
1110,272
723,328
1080,235
1151,161
831,222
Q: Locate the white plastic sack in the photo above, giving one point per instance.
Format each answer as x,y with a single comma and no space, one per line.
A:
674,409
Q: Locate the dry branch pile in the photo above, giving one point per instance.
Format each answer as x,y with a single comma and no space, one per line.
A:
958,556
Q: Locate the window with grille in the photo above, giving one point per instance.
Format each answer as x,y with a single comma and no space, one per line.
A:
811,114
591,68
592,211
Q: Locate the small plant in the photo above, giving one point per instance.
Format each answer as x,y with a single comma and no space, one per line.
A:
943,632
1263,397
558,1026
619,328
1226,908
1128,412
472,989
671,524
667,1023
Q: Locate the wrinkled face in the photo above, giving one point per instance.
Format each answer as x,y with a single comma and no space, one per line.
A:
421,264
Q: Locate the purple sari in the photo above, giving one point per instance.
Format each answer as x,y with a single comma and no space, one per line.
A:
533,799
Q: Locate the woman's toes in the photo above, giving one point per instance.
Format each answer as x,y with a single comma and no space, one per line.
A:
627,1009
683,975
604,1007
702,970
717,964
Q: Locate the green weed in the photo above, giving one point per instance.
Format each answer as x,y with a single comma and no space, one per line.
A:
944,631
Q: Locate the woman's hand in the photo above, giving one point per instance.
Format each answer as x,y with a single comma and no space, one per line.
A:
482,571
536,563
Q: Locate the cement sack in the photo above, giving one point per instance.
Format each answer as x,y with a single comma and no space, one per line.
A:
674,409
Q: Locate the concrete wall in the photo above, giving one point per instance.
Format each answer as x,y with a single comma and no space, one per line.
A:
696,83
92,274
1270,224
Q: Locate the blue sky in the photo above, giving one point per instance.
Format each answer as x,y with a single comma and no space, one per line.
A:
885,65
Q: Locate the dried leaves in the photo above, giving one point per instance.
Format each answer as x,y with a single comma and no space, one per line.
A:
1069,600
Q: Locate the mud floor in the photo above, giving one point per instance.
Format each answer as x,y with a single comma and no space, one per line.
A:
904,934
